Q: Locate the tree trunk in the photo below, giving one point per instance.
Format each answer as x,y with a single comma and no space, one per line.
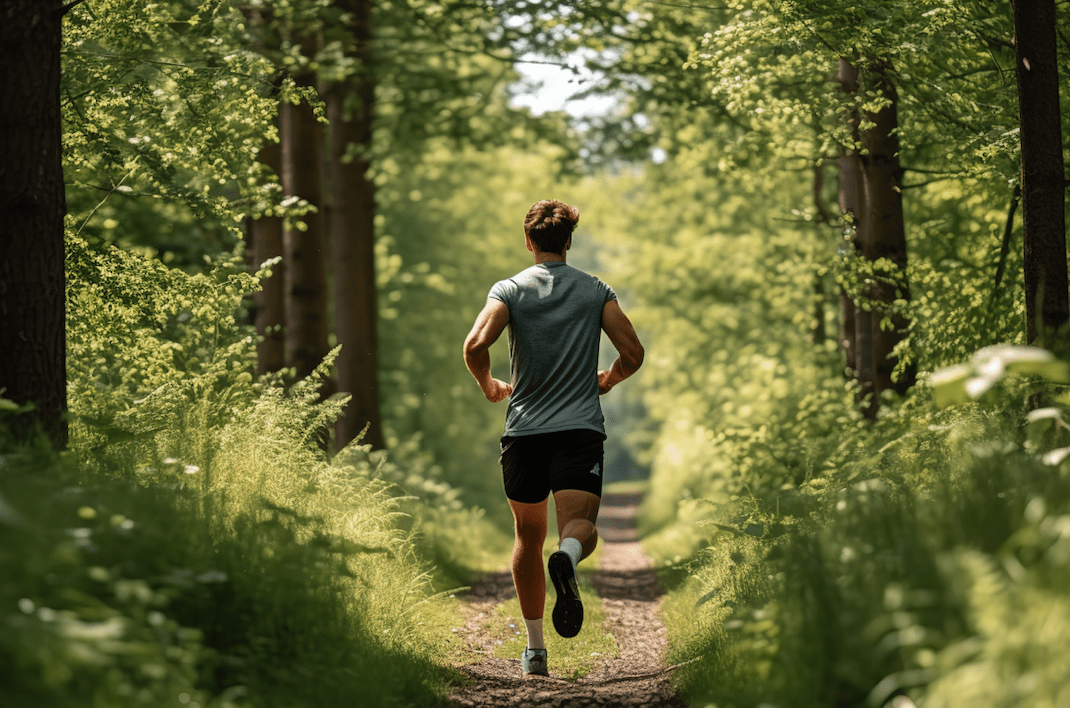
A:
852,205
885,235
871,196
824,219
265,237
1043,180
32,291
304,273
269,305
352,237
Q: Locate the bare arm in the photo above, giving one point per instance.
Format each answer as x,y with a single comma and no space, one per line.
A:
623,337
488,327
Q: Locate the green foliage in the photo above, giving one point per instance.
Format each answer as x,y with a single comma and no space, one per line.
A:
152,349
720,296
989,366
195,546
165,107
772,64
84,596
155,593
911,574
817,559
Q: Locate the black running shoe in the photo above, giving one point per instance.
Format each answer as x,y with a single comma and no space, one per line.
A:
568,611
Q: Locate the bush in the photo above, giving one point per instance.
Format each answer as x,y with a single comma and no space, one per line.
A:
920,570
196,546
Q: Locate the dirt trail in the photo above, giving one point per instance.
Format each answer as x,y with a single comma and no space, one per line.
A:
630,595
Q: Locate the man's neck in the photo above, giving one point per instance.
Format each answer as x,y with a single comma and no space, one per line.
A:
541,257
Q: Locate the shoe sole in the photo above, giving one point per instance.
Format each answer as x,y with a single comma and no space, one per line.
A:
568,610
537,671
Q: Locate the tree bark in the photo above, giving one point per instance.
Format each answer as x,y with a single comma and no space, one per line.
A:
305,272
352,236
851,195
269,305
824,219
265,235
871,197
885,234
1043,179
33,205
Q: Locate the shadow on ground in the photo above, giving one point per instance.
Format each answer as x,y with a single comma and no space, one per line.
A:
631,596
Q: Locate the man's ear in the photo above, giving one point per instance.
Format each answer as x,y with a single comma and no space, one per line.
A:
527,242
568,245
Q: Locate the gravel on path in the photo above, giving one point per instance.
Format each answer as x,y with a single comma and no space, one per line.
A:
631,597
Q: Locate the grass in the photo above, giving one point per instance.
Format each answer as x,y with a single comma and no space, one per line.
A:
931,577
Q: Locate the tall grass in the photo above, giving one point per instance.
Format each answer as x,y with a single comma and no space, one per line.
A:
196,546
935,569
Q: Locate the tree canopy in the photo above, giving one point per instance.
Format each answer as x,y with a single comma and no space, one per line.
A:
820,216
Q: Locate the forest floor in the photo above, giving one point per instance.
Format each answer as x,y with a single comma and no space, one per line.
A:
630,594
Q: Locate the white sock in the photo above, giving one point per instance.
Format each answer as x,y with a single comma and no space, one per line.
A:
573,548
535,640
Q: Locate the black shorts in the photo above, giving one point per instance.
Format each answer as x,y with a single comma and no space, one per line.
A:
535,465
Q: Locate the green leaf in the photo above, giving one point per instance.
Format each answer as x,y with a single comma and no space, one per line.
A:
949,385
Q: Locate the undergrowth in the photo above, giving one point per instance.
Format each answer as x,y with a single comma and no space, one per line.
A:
815,558
196,546
935,568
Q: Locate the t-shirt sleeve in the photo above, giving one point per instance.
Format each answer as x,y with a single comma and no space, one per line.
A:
503,290
608,291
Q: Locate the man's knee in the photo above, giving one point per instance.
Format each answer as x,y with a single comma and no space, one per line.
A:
531,531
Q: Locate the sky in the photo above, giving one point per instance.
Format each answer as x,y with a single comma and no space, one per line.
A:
554,85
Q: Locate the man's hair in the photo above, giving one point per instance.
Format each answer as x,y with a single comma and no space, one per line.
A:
549,224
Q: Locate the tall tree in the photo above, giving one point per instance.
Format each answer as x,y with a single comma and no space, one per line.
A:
266,242
351,233
883,234
851,197
32,208
305,279
1043,179
264,231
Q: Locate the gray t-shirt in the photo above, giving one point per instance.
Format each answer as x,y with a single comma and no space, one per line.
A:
555,323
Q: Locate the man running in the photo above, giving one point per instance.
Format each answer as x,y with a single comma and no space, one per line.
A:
554,427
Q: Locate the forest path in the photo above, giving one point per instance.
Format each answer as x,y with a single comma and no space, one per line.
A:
631,596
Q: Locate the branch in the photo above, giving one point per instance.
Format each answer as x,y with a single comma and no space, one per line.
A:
926,183
689,6
922,170
1062,35
68,7
109,193
939,176
992,41
158,63
1005,247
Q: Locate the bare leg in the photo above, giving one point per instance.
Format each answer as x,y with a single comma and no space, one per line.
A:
576,513
528,574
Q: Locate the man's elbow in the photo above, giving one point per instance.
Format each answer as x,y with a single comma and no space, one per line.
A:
473,348
633,358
